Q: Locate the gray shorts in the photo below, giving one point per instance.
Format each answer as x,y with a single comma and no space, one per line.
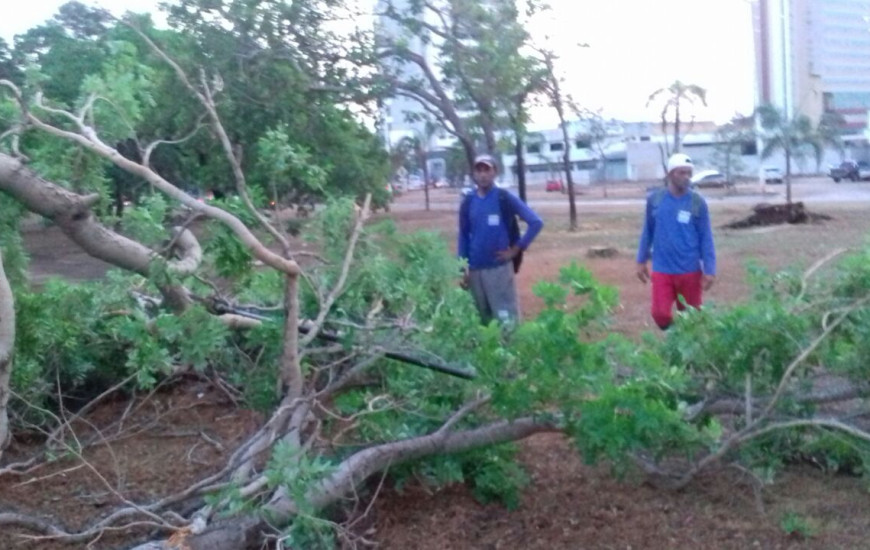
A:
495,293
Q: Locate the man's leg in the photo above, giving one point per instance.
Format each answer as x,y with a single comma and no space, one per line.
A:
501,293
690,287
663,297
477,287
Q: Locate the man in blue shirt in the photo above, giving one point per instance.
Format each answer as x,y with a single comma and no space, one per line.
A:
485,242
677,229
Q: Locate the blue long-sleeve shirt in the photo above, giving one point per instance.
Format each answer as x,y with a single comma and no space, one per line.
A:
681,241
483,232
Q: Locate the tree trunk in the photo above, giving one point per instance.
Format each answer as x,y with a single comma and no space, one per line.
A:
291,372
421,154
519,147
468,147
677,144
72,213
566,165
788,177
491,141
7,345
239,532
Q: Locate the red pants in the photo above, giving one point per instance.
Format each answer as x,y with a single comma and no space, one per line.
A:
666,288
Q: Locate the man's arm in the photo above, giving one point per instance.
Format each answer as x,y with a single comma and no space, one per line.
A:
646,235
534,222
708,249
643,247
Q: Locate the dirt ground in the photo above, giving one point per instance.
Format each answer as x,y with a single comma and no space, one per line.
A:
189,428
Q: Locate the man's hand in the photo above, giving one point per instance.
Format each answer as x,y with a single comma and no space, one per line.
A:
707,281
465,281
643,272
507,254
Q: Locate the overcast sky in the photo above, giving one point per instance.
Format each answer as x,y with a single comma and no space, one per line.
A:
635,47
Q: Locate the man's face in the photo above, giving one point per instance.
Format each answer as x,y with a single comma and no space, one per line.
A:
484,175
681,176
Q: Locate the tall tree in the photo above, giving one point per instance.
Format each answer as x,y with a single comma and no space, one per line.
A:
480,72
794,135
561,103
674,100
730,140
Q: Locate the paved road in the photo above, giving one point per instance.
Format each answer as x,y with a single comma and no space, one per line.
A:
808,190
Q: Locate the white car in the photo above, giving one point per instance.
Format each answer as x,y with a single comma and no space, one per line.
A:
709,178
772,174
415,182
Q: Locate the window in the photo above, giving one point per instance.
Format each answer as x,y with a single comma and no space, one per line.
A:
748,148
583,143
557,146
533,148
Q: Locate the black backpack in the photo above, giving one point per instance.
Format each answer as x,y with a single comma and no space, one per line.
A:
507,214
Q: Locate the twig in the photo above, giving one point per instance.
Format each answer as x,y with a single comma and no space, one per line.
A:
815,267
338,289
805,353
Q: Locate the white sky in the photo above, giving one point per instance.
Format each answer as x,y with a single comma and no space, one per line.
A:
636,47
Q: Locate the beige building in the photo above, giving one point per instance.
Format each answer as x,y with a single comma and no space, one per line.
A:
813,56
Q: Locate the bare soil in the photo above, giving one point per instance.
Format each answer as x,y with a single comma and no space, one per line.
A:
188,429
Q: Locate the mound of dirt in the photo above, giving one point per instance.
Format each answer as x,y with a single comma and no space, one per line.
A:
776,214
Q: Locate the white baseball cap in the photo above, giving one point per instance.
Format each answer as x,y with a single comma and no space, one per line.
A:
679,160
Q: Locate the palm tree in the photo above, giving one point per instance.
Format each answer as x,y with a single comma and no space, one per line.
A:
791,135
676,96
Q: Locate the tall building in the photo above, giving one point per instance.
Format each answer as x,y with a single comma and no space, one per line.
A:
399,114
813,56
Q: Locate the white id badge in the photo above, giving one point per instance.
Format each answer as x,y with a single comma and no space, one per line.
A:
684,216
492,219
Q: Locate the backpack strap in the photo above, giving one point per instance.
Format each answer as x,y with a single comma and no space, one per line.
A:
657,196
513,226
697,203
509,216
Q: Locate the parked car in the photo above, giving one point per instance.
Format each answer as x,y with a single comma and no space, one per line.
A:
850,170
710,178
772,174
414,182
555,185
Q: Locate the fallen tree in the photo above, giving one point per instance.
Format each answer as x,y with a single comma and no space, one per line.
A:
722,381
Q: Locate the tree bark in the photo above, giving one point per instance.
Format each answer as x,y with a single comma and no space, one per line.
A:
7,345
519,149
72,213
291,372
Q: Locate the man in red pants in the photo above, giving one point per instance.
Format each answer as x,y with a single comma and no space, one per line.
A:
677,231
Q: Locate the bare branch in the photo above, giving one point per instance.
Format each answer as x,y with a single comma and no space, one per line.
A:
359,466
149,150
326,306
786,377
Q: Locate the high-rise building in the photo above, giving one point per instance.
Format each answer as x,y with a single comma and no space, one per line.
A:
813,56
399,115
